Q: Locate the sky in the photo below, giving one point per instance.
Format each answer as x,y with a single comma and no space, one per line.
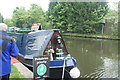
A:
7,6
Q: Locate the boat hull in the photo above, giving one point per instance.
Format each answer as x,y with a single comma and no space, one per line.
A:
56,73
55,70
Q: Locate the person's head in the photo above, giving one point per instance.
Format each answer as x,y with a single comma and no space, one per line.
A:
3,27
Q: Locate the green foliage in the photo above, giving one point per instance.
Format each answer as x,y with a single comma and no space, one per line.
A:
35,15
112,18
77,16
8,22
19,17
25,18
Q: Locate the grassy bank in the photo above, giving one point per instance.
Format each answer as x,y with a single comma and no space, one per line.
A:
16,75
91,36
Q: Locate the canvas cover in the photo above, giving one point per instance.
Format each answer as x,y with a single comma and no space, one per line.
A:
33,43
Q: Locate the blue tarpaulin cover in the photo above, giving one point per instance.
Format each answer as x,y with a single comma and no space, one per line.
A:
33,43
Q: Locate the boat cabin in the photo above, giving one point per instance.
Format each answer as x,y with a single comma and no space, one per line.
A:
42,42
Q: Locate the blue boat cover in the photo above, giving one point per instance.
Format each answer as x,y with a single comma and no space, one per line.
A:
33,43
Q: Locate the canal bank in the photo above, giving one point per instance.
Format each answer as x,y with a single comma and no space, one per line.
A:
23,71
91,36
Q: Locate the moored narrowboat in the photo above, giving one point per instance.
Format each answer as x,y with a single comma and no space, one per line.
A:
47,42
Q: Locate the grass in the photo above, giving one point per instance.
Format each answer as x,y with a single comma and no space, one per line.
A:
16,75
91,35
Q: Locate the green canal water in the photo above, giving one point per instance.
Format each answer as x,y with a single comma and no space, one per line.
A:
96,58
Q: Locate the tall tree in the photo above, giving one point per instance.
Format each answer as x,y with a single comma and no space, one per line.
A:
1,18
25,18
77,16
36,15
19,17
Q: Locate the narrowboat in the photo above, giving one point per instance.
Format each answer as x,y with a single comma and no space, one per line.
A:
47,42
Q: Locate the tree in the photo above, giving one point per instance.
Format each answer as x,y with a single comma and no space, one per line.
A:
19,17
112,18
36,15
77,16
1,18
8,22
25,18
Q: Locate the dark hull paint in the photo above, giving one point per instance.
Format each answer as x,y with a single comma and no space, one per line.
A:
55,73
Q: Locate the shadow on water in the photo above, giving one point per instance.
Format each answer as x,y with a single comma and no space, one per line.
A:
95,58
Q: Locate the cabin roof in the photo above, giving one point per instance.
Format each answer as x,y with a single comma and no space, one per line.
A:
34,43
37,42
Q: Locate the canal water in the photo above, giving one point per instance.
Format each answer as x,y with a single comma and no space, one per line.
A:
96,58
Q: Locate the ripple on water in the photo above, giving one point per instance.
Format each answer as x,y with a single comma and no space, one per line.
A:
109,69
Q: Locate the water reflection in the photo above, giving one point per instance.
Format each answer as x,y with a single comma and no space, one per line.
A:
110,67
95,58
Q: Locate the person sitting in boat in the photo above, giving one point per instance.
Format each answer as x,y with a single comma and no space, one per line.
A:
60,49
58,42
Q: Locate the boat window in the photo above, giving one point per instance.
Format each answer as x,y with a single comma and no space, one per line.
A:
49,45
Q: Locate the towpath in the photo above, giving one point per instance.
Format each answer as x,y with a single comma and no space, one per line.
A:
22,69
